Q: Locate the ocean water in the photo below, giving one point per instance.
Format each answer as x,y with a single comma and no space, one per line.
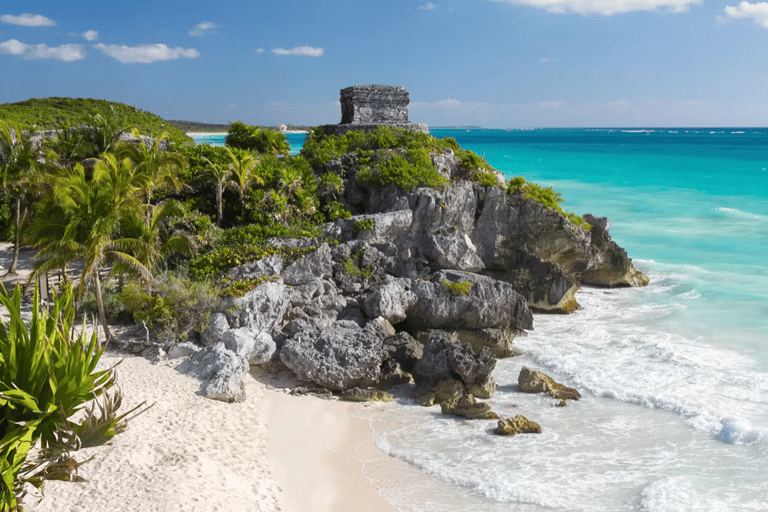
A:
296,140
673,376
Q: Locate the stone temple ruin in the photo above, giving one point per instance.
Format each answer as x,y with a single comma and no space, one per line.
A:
366,107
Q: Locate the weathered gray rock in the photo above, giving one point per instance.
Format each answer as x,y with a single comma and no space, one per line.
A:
531,381
499,341
454,250
340,357
390,300
517,425
221,372
387,227
256,347
183,349
261,309
265,267
449,359
404,349
217,326
461,300
316,265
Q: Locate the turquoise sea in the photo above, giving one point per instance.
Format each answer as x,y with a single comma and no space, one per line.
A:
674,376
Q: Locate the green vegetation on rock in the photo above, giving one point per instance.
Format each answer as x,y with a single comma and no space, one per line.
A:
56,113
458,289
363,225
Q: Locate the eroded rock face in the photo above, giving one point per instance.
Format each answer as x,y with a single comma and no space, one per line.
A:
391,301
260,310
256,347
448,359
531,381
517,425
339,357
221,372
461,300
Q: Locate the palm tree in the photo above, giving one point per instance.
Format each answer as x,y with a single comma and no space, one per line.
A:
153,166
93,210
156,245
243,173
275,143
220,174
18,164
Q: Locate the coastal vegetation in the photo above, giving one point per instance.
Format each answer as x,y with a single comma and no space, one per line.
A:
156,230
56,113
47,374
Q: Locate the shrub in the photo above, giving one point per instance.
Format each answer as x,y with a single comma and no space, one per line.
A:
253,138
363,225
546,196
174,307
461,288
46,376
406,170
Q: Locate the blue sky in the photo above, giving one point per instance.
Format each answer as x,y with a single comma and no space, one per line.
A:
493,63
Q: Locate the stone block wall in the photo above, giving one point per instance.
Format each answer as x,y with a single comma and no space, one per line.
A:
370,104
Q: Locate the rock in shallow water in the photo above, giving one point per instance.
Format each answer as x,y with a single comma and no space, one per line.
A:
466,407
517,425
531,381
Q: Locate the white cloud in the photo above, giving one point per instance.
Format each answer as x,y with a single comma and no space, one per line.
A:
145,53
605,7
66,52
259,50
546,60
204,28
28,20
91,35
757,12
306,51
429,6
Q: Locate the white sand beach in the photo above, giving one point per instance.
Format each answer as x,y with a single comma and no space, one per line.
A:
188,453
193,454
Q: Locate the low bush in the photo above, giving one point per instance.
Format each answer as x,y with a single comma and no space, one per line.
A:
173,307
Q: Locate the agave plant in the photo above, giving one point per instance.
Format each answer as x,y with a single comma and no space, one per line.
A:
47,373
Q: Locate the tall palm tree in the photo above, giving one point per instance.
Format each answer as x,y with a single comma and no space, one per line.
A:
243,173
153,167
18,164
93,210
220,174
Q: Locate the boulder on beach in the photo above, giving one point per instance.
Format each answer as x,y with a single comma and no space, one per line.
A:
517,425
531,381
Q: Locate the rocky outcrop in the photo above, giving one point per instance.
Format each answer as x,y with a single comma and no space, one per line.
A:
461,300
366,395
261,309
390,301
340,357
221,371
531,381
448,360
467,407
517,425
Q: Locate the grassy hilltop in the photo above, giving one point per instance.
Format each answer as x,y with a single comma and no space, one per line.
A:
54,113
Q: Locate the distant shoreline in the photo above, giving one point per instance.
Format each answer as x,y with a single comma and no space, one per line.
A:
209,134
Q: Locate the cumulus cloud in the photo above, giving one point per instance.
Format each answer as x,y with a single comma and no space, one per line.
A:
757,12
605,7
67,52
259,50
90,35
146,53
306,51
204,28
28,20
429,6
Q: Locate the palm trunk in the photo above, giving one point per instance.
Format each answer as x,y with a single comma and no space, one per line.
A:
100,307
16,236
219,200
